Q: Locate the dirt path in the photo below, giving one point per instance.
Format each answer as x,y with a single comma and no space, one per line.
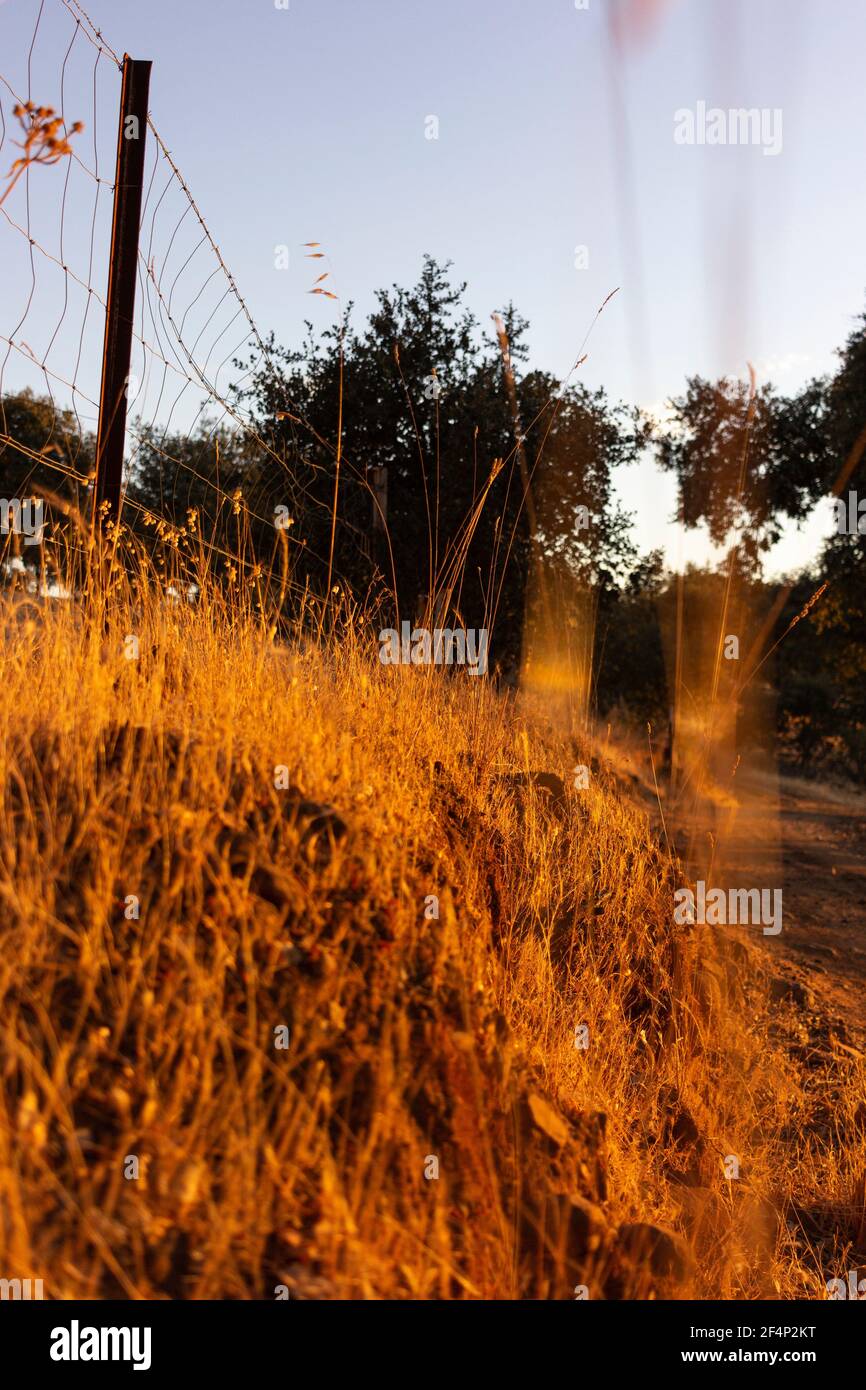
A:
809,838
824,870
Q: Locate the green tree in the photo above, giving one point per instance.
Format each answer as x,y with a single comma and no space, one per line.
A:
423,392
35,425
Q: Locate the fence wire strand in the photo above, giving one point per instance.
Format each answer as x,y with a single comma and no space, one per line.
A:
191,321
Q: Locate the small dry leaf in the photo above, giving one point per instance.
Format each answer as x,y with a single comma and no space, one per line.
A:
121,1100
547,1120
28,1108
337,1014
189,1183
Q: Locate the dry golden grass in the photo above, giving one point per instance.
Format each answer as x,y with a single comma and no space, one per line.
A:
410,1037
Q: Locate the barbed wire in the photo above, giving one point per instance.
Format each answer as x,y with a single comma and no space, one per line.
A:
188,314
100,42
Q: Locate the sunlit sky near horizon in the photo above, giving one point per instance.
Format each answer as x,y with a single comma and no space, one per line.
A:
308,123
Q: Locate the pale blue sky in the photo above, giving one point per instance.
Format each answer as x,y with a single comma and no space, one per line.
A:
309,124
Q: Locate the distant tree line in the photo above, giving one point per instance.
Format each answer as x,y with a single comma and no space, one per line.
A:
491,468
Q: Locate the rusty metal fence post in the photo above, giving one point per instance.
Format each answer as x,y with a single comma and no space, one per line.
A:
123,268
